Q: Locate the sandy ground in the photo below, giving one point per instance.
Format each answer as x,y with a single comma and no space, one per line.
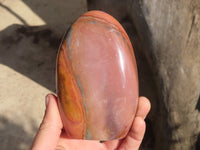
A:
30,33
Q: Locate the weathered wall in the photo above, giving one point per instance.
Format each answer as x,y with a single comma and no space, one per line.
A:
166,38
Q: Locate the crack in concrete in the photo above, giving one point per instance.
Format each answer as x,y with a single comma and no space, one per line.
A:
190,30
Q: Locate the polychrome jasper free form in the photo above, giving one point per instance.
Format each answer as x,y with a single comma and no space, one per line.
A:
97,82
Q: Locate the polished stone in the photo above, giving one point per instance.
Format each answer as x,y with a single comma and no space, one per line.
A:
97,82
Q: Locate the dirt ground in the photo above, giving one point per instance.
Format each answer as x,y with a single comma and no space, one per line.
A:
30,33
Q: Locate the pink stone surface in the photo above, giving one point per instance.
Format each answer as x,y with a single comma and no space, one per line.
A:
103,65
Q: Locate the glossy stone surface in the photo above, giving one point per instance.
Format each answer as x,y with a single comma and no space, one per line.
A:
97,82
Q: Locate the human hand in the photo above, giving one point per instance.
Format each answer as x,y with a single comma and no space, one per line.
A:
51,135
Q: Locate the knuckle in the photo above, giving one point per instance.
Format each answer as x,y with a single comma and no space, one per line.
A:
50,126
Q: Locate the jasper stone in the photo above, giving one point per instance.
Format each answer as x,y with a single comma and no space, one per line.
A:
97,82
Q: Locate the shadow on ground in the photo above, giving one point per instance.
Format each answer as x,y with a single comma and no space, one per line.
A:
20,140
30,51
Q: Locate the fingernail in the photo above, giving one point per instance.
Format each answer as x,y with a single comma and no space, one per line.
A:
47,100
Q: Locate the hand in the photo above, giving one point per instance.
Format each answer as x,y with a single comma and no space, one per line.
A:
51,135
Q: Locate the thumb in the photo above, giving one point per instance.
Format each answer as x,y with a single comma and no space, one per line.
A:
50,128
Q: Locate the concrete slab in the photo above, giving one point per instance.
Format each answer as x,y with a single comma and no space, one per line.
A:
30,33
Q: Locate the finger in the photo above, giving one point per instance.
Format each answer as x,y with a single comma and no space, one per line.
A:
135,135
50,128
143,107
114,144
66,143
